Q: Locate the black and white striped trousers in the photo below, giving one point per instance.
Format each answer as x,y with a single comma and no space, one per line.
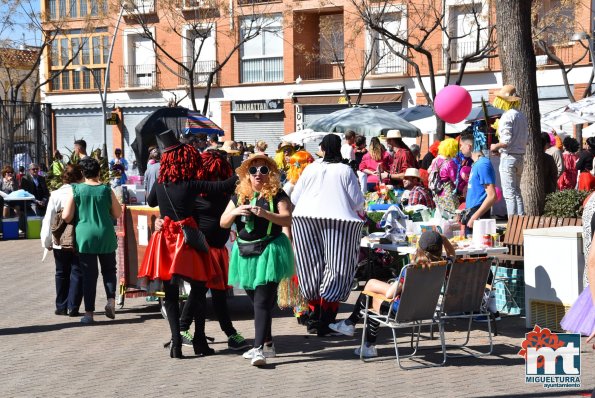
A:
326,253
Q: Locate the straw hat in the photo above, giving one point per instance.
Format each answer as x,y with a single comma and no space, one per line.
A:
507,93
242,171
285,145
412,172
393,134
227,147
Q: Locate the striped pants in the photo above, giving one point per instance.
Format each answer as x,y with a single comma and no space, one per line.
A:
326,253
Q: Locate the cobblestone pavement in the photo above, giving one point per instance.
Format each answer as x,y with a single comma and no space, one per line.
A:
45,355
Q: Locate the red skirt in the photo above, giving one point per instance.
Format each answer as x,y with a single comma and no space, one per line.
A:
220,262
167,254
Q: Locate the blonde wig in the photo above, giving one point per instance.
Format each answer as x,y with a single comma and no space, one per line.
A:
448,148
269,190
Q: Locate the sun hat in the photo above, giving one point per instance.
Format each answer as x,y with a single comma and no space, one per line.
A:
242,171
168,141
431,242
227,147
393,134
508,93
285,145
412,172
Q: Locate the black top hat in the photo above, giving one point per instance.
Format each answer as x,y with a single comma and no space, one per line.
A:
168,141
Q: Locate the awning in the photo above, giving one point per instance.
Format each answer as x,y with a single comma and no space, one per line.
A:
332,99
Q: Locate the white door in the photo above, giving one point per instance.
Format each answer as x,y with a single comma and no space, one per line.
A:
144,63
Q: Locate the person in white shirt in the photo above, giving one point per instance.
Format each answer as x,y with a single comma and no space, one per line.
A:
69,276
348,149
326,230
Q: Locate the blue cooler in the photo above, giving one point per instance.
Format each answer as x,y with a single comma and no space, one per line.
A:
10,228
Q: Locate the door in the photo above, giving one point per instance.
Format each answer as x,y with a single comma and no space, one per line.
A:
144,63
252,127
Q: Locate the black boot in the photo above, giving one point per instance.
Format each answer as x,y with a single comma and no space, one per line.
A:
313,321
327,316
175,350
201,347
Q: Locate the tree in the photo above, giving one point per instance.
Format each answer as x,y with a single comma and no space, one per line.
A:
468,40
20,61
196,22
513,19
552,28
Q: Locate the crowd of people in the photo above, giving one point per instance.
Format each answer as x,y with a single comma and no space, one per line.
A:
298,220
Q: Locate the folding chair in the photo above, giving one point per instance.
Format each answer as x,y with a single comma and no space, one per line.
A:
464,297
417,308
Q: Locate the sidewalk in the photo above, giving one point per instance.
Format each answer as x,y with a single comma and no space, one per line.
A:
44,355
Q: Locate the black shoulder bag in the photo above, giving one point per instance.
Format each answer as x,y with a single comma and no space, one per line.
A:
256,247
193,237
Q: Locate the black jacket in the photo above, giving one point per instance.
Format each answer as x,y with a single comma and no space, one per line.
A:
40,191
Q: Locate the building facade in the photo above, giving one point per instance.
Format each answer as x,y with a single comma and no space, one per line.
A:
309,58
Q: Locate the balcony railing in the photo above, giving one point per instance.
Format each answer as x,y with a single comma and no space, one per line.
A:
138,76
318,71
389,63
567,53
250,2
460,49
201,73
257,70
142,7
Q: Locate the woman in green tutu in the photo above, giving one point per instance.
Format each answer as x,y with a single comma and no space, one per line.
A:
262,255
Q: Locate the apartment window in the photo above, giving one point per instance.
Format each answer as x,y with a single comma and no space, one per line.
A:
383,50
62,8
200,40
83,8
65,57
262,56
94,8
73,9
331,38
464,28
52,9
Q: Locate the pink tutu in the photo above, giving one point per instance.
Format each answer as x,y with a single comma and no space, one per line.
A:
581,316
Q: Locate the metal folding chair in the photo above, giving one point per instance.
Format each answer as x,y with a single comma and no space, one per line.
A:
464,298
417,307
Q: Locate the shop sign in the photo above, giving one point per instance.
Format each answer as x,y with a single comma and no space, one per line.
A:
257,106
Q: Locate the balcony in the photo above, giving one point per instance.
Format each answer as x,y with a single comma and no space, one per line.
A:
317,71
188,5
138,76
252,2
387,64
141,7
260,70
567,53
201,73
459,49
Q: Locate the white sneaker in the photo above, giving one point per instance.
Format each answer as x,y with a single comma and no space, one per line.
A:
369,351
268,352
343,328
258,358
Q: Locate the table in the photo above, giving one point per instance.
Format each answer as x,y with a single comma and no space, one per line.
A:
490,251
24,209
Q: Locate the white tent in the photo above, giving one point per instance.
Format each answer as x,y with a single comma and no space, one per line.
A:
428,126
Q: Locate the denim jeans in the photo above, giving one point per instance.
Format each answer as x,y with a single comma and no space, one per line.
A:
69,286
88,264
511,169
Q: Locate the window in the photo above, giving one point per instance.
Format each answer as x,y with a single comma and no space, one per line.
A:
463,28
262,55
383,50
72,13
62,8
94,8
52,9
83,8
200,40
330,36
76,8
64,56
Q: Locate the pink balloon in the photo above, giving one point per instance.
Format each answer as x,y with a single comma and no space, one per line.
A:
452,104
498,194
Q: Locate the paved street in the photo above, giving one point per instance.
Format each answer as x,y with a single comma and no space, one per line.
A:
45,355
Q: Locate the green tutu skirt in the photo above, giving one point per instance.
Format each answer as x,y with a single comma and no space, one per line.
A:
274,264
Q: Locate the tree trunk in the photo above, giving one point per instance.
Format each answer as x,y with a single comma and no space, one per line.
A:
518,68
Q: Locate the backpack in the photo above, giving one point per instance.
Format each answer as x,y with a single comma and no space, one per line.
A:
434,183
63,233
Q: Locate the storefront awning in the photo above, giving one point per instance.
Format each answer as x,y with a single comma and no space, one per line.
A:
332,99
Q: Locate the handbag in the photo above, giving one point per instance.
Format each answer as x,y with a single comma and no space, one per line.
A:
193,237
63,233
467,214
256,247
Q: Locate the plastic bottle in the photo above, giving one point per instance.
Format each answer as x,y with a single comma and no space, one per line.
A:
125,195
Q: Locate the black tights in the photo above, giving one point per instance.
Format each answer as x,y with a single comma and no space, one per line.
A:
263,298
219,298
355,317
197,304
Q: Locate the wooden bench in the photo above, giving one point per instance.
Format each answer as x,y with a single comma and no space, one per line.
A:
514,238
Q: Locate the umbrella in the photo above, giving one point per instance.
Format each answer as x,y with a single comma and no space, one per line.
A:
303,136
416,113
477,113
174,118
364,120
428,125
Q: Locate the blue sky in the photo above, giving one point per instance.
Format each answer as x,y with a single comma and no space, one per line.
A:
21,29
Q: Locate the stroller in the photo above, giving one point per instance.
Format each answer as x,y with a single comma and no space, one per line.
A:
374,264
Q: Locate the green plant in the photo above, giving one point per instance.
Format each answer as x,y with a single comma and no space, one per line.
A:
566,203
54,181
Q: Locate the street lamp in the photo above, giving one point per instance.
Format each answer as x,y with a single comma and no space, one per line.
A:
125,5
